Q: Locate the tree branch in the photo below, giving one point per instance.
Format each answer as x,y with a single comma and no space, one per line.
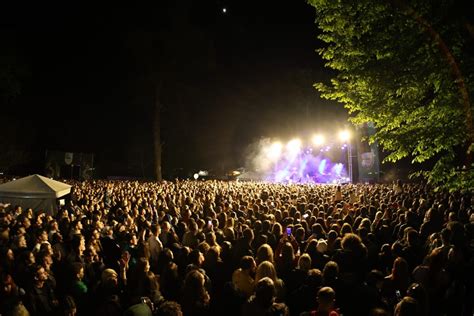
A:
453,64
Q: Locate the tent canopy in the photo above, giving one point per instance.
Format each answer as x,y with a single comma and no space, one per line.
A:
34,191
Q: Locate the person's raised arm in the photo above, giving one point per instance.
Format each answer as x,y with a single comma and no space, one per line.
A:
123,264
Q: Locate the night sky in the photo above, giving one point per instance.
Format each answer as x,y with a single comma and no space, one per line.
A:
87,74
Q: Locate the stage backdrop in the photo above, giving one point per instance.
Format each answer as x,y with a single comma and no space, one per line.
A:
68,165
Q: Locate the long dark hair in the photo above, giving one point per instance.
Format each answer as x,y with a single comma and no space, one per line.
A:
194,292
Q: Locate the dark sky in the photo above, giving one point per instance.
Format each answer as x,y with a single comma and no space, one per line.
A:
88,74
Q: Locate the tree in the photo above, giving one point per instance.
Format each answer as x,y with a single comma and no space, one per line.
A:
13,70
409,70
170,54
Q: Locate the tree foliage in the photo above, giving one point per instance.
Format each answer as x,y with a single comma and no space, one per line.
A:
396,67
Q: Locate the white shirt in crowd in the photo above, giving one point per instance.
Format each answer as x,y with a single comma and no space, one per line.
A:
155,246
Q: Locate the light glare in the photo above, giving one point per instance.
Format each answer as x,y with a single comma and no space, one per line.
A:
318,140
274,151
294,146
344,135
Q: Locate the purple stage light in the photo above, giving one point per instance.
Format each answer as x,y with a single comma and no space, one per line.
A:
338,169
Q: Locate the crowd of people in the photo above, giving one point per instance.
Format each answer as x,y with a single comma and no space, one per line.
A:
240,248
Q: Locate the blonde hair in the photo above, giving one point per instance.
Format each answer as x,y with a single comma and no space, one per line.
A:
264,253
266,269
304,262
20,310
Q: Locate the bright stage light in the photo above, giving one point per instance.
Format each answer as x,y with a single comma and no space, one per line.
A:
344,135
318,140
274,151
293,146
196,176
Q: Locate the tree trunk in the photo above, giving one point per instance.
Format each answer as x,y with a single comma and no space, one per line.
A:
157,131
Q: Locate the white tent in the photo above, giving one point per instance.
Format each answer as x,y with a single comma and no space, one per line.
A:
35,191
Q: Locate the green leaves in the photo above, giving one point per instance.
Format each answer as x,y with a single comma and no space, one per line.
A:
392,73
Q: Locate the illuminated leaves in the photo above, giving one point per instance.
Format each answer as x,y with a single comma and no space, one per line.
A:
392,74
